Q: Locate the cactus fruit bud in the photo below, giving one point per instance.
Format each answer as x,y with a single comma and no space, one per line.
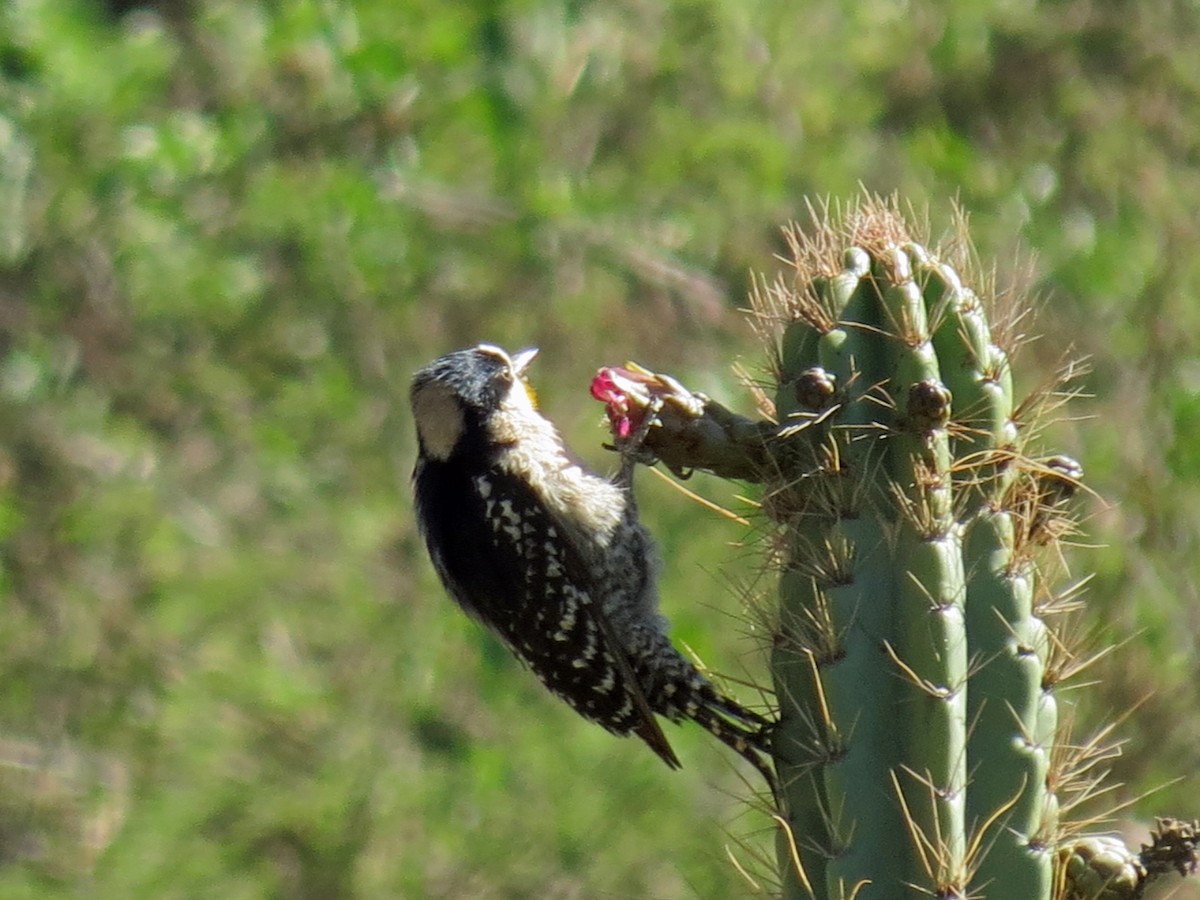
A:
1100,868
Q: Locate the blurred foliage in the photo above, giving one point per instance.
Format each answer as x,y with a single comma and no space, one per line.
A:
229,231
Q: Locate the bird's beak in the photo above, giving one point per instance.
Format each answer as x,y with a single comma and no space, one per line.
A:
522,359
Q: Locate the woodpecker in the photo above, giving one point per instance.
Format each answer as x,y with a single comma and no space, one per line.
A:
551,556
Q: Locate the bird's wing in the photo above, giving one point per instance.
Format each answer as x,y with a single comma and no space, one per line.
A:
530,584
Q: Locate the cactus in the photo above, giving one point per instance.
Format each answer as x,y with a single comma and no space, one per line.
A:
913,655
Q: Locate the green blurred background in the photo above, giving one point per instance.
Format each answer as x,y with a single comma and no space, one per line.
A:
229,233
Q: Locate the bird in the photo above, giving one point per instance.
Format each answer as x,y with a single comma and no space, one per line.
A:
552,557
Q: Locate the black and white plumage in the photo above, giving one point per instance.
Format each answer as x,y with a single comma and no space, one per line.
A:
551,556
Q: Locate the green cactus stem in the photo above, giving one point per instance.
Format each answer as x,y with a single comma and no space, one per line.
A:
1012,718
844,549
894,675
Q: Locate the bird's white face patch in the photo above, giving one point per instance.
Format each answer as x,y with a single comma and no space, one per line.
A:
439,417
